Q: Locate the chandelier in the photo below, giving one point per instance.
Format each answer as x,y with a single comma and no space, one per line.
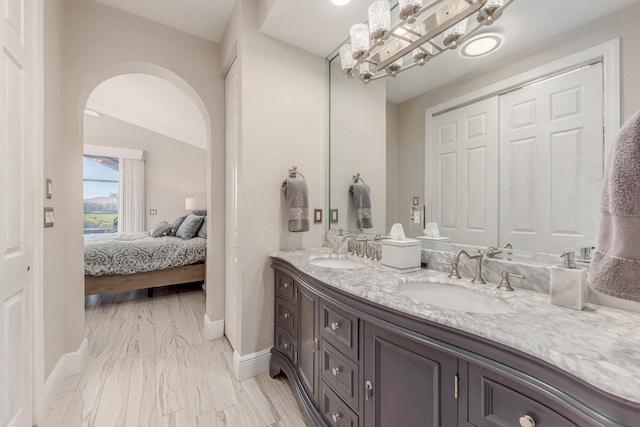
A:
378,49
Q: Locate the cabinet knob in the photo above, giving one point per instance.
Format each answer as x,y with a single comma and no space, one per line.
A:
286,285
335,326
527,421
286,345
368,388
286,315
336,417
336,371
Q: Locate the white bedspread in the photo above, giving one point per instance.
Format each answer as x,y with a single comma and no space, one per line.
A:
128,253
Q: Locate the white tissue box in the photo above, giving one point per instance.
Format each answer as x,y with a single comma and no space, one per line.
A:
401,254
569,287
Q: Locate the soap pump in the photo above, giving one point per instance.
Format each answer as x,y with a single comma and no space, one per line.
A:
569,259
568,287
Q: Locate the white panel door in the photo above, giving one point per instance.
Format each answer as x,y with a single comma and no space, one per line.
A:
464,173
232,272
16,211
551,162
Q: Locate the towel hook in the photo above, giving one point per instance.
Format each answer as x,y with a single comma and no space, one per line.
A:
357,178
294,171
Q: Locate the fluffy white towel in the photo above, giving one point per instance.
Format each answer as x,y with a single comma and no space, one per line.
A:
297,195
615,266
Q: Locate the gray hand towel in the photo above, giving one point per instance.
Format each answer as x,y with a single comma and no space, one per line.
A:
361,196
615,266
297,195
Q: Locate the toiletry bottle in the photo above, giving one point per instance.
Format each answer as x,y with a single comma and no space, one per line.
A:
569,284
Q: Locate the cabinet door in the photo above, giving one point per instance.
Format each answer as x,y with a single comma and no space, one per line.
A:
307,341
412,384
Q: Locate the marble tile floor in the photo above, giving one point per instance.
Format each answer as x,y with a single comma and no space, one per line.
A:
150,366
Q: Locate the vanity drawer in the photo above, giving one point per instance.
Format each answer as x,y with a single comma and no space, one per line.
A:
334,410
284,343
495,401
340,329
286,315
340,373
285,286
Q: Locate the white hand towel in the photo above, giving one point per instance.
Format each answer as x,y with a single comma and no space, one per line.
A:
615,266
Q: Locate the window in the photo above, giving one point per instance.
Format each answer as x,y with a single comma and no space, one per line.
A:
100,194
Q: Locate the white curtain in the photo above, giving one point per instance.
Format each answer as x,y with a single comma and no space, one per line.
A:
131,209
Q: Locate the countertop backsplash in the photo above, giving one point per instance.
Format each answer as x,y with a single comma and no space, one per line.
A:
537,277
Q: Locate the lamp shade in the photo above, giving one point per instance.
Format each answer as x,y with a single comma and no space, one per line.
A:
346,58
408,9
379,19
359,39
193,203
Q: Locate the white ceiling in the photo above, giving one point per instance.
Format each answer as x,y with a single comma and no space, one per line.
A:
202,18
151,103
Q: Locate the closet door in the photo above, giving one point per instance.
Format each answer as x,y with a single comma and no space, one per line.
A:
464,173
551,162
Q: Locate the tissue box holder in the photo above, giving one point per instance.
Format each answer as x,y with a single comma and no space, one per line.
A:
404,255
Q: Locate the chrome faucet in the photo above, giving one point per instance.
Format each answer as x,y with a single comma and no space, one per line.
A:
493,251
357,243
456,260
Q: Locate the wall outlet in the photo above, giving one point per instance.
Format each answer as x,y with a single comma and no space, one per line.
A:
153,212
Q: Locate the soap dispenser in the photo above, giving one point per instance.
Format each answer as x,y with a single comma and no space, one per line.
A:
569,284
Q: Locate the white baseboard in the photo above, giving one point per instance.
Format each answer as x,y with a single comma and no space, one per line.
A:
251,365
213,330
69,364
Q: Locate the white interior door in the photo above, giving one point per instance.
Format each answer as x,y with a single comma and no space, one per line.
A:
16,211
464,173
551,162
232,267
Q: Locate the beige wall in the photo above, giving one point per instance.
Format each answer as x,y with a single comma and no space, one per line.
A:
622,24
173,169
57,339
99,42
358,145
393,163
282,124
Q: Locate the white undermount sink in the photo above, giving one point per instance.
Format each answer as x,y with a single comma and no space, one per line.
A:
454,298
338,262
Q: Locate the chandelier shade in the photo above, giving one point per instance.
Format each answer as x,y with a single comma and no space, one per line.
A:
423,29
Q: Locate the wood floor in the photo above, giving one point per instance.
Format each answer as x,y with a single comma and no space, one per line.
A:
150,366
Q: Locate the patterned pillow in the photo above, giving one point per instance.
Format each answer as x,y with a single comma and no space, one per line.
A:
161,229
190,226
203,229
176,225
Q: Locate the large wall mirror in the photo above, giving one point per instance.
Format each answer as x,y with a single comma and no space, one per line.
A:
508,147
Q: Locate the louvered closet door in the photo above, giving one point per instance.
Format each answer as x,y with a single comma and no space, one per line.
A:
464,173
16,210
551,162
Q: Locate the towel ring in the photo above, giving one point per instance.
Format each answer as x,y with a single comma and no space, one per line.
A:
357,178
294,171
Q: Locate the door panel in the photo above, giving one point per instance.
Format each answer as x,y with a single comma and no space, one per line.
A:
307,339
464,173
551,162
16,212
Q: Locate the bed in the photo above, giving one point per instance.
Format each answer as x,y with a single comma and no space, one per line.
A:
117,262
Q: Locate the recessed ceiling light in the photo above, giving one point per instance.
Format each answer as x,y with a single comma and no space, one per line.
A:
482,44
340,2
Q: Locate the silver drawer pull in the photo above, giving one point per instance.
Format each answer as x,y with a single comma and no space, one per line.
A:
336,417
335,326
336,371
286,285
368,388
286,345
527,421
286,315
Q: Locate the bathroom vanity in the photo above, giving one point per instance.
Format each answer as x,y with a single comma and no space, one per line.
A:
359,352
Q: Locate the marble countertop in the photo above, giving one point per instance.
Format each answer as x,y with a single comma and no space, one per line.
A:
600,345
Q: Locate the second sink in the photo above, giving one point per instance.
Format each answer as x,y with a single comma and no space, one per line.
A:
454,298
339,262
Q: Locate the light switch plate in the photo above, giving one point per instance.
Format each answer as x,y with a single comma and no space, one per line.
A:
317,216
416,200
153,212
334,216
48,217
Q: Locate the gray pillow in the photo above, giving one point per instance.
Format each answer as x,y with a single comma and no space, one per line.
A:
190,226
203,229
176,225
161,229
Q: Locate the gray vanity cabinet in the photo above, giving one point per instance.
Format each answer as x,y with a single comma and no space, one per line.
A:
408,383
353,363
307,340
